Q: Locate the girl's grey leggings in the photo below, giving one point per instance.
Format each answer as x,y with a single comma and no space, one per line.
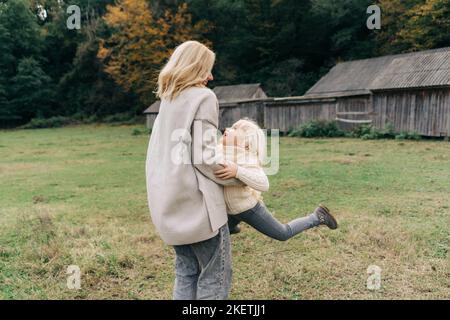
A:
263,221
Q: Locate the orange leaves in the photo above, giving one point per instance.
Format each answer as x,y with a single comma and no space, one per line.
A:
140,43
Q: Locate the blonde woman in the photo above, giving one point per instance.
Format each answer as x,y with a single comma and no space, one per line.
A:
185,198
244,147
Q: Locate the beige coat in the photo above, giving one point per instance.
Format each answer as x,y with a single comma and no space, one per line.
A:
185,199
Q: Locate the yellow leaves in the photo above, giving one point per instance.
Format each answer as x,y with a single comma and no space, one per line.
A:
140,43
417,27
102,51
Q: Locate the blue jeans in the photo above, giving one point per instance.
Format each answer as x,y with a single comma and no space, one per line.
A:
262,220
203,269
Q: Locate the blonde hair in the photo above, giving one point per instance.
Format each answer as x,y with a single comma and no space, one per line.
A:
254,138
189,65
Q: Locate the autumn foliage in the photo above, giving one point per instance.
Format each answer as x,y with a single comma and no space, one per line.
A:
140,43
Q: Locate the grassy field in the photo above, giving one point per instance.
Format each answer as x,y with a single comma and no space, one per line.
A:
77,196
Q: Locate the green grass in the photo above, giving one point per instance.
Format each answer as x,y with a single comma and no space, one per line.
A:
77,195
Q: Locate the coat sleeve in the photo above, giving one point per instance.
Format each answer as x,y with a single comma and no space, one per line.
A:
204,137
254,177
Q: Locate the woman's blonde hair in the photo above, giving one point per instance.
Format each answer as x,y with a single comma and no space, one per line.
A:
254,137
189,65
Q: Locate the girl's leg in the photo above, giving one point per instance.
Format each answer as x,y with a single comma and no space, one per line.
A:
263,221
233,224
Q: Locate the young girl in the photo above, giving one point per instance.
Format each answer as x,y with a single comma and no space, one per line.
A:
243,149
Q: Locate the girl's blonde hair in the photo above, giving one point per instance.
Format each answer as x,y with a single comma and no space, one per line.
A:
254,138
189,65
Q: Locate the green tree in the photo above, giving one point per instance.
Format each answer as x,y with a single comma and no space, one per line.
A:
21,43
31,90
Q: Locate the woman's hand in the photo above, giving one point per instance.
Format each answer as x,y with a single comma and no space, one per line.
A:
229,171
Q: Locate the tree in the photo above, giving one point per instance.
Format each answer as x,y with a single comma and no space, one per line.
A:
31,90
86,89
21,44
427,26
393,19
139,43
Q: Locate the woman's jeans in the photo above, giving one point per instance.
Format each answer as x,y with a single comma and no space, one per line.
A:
203,269
263,221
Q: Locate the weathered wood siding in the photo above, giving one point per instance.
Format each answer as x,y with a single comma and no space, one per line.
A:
150,119
353,108
287,115
425,111
231,113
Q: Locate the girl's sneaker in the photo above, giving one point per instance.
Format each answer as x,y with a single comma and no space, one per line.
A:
325,217
235,229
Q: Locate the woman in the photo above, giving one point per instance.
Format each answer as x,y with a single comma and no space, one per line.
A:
185,198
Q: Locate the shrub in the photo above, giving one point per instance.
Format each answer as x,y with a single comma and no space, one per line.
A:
120,118
138,132
317,129
53,122
82,118
404,135
369,132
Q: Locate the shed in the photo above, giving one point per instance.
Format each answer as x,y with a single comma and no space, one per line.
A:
239,101
235,102
151,113
240,92
410,91
413,93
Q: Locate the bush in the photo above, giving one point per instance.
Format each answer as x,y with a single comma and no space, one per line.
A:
53,122
120,118
82,118
369,132
138,132
366,131
317,129
404,135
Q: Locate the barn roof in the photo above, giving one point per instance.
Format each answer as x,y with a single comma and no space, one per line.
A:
408,70
227,94
415,71
154,108
239,92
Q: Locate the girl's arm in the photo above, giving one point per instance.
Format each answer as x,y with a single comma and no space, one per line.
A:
254,177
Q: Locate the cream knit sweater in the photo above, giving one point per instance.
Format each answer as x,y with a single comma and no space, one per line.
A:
243,197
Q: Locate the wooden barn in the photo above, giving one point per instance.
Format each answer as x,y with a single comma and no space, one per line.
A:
151,113
239,101
235,102
411,91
